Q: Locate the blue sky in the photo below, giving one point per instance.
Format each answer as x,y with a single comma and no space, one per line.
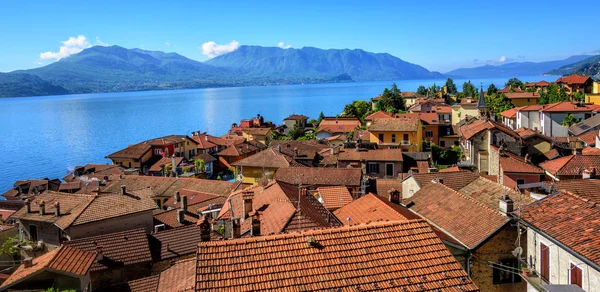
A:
439,35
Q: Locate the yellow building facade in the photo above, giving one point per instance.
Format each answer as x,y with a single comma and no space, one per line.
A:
411,141
460,111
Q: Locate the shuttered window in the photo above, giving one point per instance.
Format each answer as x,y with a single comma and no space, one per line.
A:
576,276
545,261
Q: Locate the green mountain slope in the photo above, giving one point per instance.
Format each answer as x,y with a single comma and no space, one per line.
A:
18,85
589,67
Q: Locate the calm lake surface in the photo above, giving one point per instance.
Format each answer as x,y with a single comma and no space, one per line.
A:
47,136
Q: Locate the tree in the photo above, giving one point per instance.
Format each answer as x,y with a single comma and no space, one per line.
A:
514,83
200,164
492,89
498,102
392,98
421,90
469,90
296,132
321,117
570,120
358,108
578,96
552,94
450,86
433,90
9,247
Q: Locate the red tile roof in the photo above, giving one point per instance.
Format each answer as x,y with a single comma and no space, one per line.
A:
158,166
167,186
455,180
370,155
489,193
334,197
362,257
571,165
400,123
147,284
570,219
296,117
529,108
385,185
508,89
429,118
522,95
511,113
589,138
126,247
193,197
445,208
270,158
450,169
565,106
205,141
378,115
338,125
99,171
542,83
319,176
552,153
590,151
64,259
588,188
180,277
573,79
470,130
371,208
170,218
512,163
177,242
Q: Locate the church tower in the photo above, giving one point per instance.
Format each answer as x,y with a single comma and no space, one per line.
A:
482,106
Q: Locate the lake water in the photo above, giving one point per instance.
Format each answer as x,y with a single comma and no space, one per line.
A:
46,136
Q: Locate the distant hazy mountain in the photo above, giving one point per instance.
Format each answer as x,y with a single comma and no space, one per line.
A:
256,61
110,69
589,67
17,85
515,69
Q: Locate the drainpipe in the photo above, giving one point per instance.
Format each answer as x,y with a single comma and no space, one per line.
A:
468,264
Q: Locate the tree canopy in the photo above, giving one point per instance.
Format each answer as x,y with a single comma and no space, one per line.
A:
358,108
515,83
469,89
497,103
570,120
492,89
391,99
421,90
450,86
552,94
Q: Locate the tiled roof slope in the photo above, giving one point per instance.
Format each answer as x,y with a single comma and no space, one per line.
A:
180,277
378,256
125,247
169,218
573,79
571,165
515,164
445,208
370,155
334,197
147,284
71,206
587,188
319,176
589,138
132,151
455,180
385,185
378,115
403,123
113,205
176,242
298,148
194,197
478,126
268,158
565,106
585,126
95,170
64,259
372,208
490,193
570,219
167,186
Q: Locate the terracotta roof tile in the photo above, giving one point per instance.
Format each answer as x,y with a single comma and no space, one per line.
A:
122,248
334,197
588,188
158,166
565,106
514,164
370,155
522,95
450,169
529,108
268,158
206,157
400,123
589,138
478,126
511,113
542,83
490,193
98,171
177,242
371,208
167,186
170,220
378,115
206,141
193,198
180,277
65,259
106,206
589,151
510,88
71,206
135,151
455,180
385,185
445,208
147,284
570,219
552,153
338,125
571,165
364,257
296,117
573,79
319,176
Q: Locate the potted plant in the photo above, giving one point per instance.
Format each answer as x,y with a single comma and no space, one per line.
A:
526,271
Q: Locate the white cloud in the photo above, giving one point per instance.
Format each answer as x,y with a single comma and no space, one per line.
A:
100,43
502,59
71,46
168,44
212,49
283,45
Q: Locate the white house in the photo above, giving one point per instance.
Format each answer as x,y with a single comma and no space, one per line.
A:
562,244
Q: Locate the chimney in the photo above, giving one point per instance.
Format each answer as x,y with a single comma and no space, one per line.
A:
42,207
206,137
28,205
279,148
100,255
180,216
247,197
394,196
205,229
506,205
255,231
236,228
193,133
184,203
173,162
331,150
123,190
27,263
177,198
588,173
57,209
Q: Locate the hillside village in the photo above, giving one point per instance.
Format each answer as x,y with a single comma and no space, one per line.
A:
434,190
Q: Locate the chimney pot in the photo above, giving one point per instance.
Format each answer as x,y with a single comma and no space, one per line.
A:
394,196
205,229
184,203
42,207
123,190
57,209
27,263
248,197
506,205
177,198
28,205
255,231
181,216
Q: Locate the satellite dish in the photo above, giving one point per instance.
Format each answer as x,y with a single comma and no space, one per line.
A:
517,252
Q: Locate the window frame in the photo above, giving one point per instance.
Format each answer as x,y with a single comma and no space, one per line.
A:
370,165
544,247
37,232
498,272
517,181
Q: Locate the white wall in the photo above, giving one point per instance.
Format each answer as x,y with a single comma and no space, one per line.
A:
560,263
409,187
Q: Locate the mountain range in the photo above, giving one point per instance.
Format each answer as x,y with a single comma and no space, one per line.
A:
589,67
515,68
114,69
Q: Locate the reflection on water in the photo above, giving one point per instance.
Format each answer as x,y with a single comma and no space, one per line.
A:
46,136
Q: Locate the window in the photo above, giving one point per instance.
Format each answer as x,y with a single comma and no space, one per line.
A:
429,133
380,138
373,168
405,140
520,181
501,272
442,143
448,131
389,169
576,276
33,232
544,262
393,138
